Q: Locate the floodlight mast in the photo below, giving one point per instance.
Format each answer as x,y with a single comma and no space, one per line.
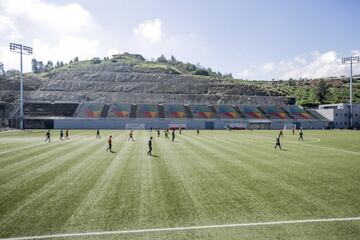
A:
350,60
21,49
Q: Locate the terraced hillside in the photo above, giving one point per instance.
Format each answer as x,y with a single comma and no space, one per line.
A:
127,79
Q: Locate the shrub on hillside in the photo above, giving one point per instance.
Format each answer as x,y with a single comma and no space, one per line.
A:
95,60
202,72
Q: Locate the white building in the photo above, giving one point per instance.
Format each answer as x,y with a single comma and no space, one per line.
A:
339,114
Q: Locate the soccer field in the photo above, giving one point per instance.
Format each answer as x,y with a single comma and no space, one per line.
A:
216,178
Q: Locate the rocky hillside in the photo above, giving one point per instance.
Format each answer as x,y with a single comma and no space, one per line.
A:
129,78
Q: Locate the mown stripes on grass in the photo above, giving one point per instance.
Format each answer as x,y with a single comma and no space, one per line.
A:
218,177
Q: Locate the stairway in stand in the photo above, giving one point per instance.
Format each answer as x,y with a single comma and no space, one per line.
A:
133,110
105,111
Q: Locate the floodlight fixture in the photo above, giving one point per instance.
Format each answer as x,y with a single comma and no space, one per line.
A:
22,50
350,60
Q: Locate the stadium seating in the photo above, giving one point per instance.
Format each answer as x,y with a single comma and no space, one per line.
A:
90,110
226,111
174,111
147,111
275,112
119,111
298,113
202,111
251,112
50,109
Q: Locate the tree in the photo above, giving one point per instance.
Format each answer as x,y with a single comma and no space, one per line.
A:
173,59
228,75
49,66
202,72
95,60
190,67
322,91
34,65
291,82
2,71
41,67
162,59
12,73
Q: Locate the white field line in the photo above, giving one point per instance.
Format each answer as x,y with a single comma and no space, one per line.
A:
150,230
307,144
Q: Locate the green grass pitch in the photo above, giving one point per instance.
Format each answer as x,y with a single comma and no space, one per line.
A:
218,177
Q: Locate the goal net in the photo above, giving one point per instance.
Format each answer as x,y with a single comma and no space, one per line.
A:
135,126
289,126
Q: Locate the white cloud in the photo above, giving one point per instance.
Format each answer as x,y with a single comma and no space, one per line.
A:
268,67
64,18
66,48
310,65
7,26
149,30
55,31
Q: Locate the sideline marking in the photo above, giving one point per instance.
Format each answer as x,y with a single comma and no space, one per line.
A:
64,235
306,143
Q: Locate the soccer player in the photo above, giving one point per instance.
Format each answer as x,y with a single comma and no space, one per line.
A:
166,133
278,143
150,146
61,134
173,135
47,136
98,133
293,130
158,133
109,144
67,134
197,131
301,134
131,135
179,130
281,133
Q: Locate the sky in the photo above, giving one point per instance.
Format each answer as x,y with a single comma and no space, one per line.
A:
252,39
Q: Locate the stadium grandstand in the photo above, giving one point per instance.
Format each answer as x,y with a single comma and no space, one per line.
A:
202,116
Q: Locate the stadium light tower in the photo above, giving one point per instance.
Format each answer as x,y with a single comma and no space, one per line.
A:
21,49
350,60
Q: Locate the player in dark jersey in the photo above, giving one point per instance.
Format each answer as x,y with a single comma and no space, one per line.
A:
98,133
173,135
131,136
166,134
277,144
67,133
293,130
47,136
197,131
109,144
150,146
61,134
281,133
158,133
301,135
